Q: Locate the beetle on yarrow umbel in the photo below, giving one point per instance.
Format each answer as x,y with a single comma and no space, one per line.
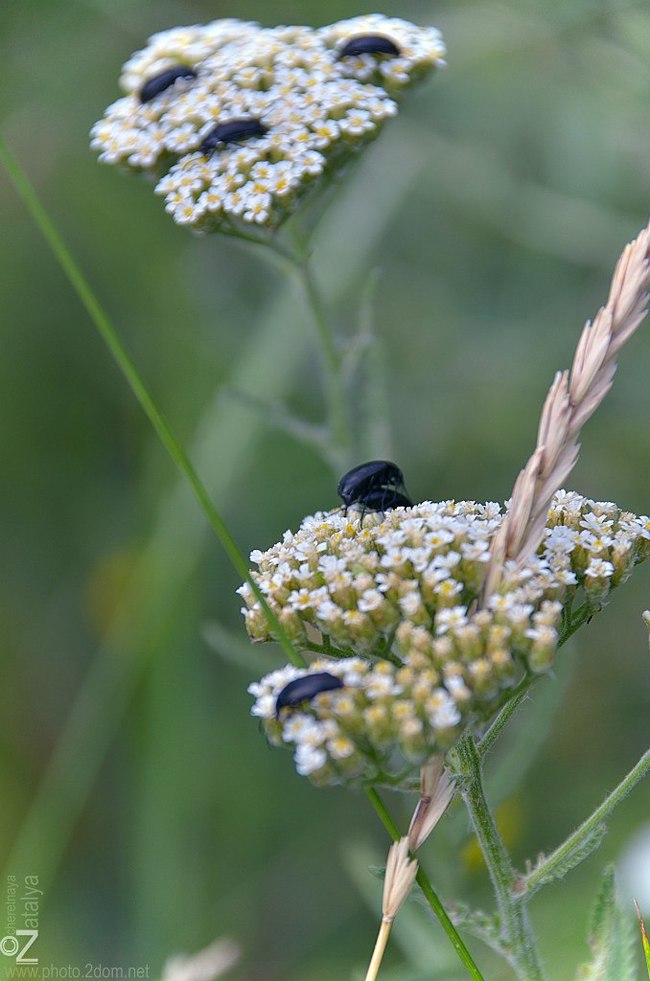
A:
232,131
431,614
305,689
368,44
377,485
160,83
407,584
302,101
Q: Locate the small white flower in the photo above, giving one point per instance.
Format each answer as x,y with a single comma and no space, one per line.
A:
442,710
340,748
599,569
370,600
596,523
475,552
560,539
381,685
595,542
308,759
447,589
264,707
455,616
303,729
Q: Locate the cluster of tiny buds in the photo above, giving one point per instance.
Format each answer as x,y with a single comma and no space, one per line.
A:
393,600
238,121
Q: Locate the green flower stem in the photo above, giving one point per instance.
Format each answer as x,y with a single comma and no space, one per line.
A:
340,446
517,933
427,889
546,870
139,388
295,258
582,614
517,695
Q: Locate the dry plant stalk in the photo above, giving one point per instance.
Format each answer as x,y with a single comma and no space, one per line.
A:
398,882
436,791
572,399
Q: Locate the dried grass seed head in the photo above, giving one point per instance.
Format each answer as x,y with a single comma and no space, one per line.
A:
571,400
401,871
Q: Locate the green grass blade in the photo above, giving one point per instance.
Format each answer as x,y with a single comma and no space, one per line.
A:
644,937
117,350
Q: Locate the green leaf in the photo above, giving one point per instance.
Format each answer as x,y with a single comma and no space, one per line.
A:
565,858
644,937
610,938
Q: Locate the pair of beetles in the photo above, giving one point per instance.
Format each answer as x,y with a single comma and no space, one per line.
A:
235,130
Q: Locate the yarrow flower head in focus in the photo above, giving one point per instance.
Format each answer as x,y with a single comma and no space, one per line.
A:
237,121
394,599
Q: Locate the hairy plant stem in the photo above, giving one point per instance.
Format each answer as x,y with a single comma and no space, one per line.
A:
427,889
546,870
515,926
139,388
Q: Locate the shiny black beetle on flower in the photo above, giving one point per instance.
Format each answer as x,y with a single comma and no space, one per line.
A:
368,44
305,688
160,83
376,486
232,131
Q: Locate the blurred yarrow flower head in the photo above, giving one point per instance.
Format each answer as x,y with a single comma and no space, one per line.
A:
237,121
418,654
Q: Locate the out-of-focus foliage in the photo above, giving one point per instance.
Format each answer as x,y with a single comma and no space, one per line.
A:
494,209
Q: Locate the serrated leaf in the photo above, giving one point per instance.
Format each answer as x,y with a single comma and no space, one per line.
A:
610,938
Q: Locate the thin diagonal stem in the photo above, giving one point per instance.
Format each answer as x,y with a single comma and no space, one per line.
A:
517,696
340,445
427,889
295,257
545,870
138,387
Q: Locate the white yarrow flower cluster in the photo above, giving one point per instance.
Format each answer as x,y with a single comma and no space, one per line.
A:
316,109
394,598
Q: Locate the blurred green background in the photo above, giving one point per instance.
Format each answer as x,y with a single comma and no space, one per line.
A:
132,780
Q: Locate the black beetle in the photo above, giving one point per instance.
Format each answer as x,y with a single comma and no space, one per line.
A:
374,484
385,498
368,44
305,688
232,132
154,86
